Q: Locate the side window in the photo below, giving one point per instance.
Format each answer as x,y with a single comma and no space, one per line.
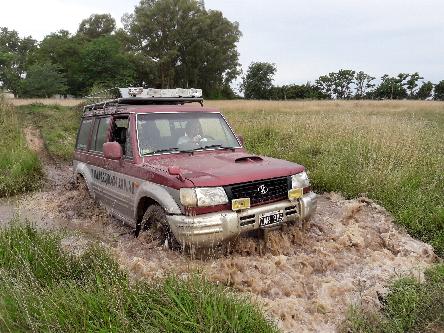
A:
84,133
121,134
102,133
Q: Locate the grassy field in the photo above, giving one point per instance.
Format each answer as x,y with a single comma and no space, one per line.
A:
45,289
20,169
45,101
391,151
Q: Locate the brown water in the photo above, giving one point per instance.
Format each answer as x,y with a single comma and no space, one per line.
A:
304,276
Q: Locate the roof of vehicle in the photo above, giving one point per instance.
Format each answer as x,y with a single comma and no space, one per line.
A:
166,100
147,109
167,108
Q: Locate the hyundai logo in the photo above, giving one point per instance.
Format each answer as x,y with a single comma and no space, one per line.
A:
262,189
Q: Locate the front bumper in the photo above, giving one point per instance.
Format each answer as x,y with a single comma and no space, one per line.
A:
210,229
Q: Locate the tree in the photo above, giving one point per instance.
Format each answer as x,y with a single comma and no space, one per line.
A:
425,91
412,83
104,63
325,85
342,81
363,83
256,84
62,49
337,85
43,80
14,53
439,91
97,25
302,91
188,45
391,87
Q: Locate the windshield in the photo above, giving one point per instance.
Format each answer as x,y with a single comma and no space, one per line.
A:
187,131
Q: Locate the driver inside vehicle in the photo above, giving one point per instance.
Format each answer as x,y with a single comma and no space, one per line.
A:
193,133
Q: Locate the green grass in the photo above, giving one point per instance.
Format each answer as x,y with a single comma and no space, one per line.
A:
58,126
44,289
410,306
20,168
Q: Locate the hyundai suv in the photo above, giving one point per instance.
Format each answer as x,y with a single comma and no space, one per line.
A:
158,159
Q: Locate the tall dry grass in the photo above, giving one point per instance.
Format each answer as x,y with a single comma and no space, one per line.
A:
46,101
390,151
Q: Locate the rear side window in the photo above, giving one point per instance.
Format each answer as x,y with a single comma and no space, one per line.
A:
84,133
102,133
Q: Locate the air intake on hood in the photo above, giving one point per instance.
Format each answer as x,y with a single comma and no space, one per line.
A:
251,158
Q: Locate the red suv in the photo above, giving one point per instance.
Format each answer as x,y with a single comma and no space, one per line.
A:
160,161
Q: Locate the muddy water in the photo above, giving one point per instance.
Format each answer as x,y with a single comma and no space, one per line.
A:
305,276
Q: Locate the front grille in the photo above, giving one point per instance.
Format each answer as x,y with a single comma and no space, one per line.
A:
274,189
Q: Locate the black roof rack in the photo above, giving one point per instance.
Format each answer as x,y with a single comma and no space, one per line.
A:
111,100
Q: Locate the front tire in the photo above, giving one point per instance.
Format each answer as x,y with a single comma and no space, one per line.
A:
155,222
82,187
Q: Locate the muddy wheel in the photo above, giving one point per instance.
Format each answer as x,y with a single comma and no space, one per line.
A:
155,222
82,187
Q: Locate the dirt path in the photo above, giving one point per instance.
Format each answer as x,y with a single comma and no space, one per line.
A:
57,173
305,276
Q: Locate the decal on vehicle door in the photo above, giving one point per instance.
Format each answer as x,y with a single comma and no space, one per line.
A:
113,180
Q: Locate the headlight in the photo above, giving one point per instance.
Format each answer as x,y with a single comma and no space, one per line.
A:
300,180
203,196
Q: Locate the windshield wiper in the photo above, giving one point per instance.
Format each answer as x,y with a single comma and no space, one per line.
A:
167,150
218,146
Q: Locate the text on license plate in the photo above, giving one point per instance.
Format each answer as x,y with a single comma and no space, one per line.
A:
271,218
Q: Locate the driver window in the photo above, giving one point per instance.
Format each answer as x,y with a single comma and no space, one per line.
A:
102,130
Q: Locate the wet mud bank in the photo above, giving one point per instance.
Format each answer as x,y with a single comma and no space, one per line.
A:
305,276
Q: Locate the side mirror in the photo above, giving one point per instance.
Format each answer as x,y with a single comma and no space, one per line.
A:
241,139
112,150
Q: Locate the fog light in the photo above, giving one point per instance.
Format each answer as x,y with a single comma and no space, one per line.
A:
242,203
295,193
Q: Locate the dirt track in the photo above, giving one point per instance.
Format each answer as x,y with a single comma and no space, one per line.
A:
305,276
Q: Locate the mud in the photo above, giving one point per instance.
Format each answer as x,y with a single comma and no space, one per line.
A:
304,276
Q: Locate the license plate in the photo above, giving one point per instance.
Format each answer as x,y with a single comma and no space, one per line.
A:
271,218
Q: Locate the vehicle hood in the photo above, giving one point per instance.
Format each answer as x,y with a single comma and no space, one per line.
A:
219,168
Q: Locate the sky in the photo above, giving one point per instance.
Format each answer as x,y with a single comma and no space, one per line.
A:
305,39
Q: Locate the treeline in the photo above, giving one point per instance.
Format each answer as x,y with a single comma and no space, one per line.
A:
164,44
344,84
